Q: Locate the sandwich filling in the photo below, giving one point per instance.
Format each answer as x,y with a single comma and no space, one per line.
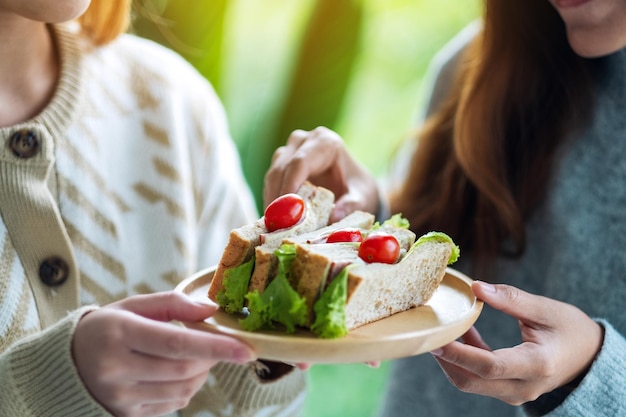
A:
323,311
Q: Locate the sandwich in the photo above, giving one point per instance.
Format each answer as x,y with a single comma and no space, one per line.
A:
332,278
238,258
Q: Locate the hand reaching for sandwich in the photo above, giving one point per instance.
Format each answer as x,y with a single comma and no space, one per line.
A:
135,363
559,344
321,157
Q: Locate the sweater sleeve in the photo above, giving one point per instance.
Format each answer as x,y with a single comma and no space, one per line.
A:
239,391
601,393
39,377
224,199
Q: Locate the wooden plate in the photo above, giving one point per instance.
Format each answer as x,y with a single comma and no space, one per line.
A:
450,312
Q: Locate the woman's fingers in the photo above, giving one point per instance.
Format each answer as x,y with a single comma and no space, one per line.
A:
166,391
507,374
512,391
290,166
143,367
277,182
157,398
127,357
533,310
518,362
167,306
145,329
473,338
321,157
173,342
559,343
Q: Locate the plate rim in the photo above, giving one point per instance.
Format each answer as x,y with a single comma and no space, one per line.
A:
463,322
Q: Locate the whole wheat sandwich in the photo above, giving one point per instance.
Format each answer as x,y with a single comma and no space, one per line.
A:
329,278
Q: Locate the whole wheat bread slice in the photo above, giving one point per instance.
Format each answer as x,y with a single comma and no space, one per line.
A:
266,263
243,241
315,265
376,291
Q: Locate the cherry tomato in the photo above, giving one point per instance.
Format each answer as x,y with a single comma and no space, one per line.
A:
284,212
345,235
380,247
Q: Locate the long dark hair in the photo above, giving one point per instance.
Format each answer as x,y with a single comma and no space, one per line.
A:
483,157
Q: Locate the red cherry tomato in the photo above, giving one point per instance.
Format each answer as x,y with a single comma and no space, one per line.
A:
284,212
380,247
345,235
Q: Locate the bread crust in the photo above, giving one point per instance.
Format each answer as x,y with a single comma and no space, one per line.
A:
377,291
319,203
243,241
239,249
265,266
315,264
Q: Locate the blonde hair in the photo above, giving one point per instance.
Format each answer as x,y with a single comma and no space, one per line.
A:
105,20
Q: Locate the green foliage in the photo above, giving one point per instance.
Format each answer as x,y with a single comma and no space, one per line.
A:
324,65
195,29
314,87
355,66
345,390
319,80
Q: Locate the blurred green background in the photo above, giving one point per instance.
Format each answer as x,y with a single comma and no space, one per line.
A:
355,66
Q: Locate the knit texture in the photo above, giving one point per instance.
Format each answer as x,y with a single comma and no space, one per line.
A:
575,247
39,379
136,185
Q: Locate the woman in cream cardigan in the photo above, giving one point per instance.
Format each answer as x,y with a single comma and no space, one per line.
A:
118,177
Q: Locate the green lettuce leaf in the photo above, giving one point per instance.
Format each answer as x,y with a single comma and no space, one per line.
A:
235,286
279,303
440,237
330,308
395,220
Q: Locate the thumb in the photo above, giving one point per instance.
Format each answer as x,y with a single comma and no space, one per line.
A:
168,306
531,309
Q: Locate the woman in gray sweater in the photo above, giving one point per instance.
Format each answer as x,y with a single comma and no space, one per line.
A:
520,160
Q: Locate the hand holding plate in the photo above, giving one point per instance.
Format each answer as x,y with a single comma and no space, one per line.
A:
321,157
134,363
559,344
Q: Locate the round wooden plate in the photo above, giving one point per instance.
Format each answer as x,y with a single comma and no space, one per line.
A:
449,313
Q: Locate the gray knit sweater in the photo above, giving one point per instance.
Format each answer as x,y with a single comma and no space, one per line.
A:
575,254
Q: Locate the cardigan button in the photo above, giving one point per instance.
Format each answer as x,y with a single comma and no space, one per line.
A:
24,143
53,271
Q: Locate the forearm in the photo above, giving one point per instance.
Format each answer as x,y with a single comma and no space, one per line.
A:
39,376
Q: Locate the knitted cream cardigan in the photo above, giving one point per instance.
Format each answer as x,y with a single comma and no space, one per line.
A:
126,183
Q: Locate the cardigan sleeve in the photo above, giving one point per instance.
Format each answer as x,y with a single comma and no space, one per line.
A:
601,393
39,377
224,199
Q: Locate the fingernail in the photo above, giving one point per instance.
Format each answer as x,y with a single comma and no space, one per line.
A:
486,287
437,352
